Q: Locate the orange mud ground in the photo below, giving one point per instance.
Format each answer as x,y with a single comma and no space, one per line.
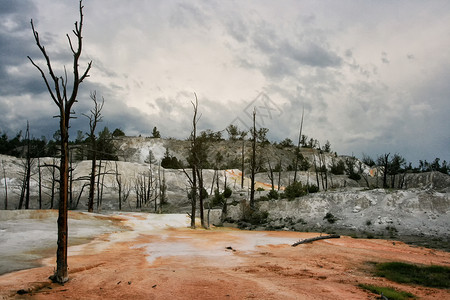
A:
196,264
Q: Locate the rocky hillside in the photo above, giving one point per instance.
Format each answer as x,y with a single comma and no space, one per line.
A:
367,213
421,207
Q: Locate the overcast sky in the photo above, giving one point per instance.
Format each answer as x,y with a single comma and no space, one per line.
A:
372,76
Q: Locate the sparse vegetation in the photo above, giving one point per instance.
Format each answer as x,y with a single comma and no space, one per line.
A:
253,216
392,231
312,188
294,190
330,218
388,292
170,162
297,189
338,168
219,198
430,276
273,195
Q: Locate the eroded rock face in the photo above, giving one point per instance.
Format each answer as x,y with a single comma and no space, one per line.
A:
401,212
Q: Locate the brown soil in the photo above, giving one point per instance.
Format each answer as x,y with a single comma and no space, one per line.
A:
220,264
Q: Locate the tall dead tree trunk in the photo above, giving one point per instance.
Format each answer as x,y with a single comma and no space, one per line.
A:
22,192
279,175
253,163
270,175
243,162
39,184
97,183
94,118
194,163
298,147
54,180
159,192
28,162
323,169
119,185
385,161
163,190
195,179
315,169
6,184
71,169
201,196
24,200
64,102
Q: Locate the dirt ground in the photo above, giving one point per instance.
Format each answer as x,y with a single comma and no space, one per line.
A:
221,263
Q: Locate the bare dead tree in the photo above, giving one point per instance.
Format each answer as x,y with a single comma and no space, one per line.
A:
39,183
71,179
146,189
193,177
29,161
79,195
101,182
27,164
60,96
50,184
159,194
279,174
213,180
123,188
98,183
94,118
322,168
22,190
162,190
223,215
194,165
316,170
253,162
270,175
243,159
298,147
138,186
119,184
201,197
53,183
197,153
383,161
102,185
6,184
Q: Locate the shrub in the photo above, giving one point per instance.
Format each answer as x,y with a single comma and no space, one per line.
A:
263,198
218,198
260,189
227,192
354,176
254,216
313,188
171,162
273,194
392,231
294,190
330,218
338,168
204,194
